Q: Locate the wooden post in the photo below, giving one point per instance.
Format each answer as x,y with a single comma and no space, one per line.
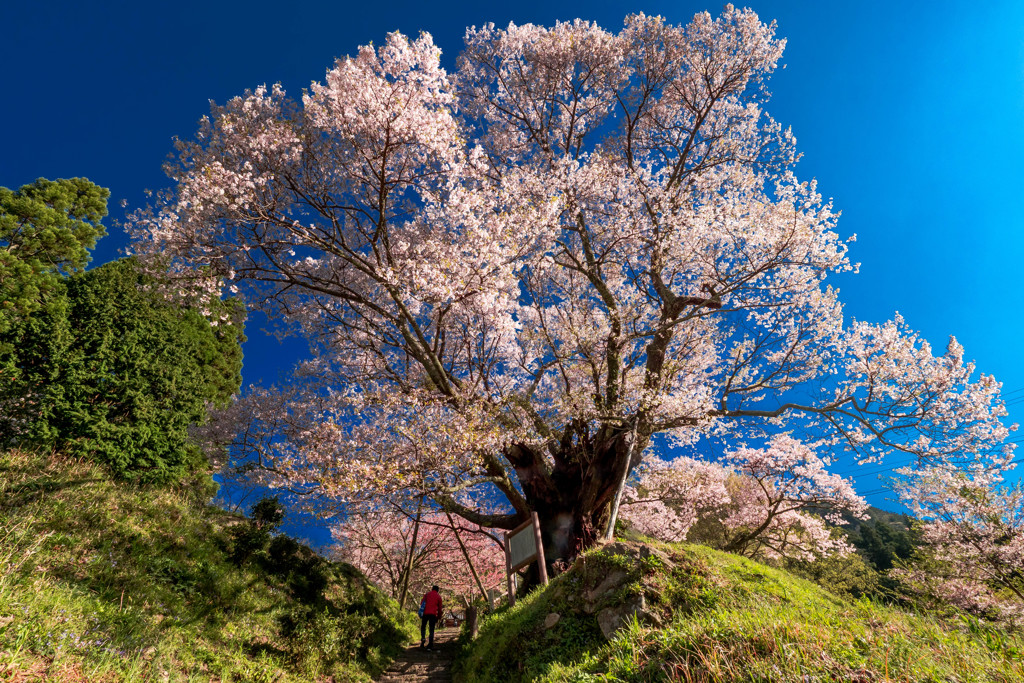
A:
541,562
609,532
412,555
472,624
508,573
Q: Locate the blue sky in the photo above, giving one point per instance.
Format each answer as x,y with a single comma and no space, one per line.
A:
909,114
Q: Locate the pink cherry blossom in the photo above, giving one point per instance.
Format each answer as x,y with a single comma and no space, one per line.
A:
513,276
381,545
766,502
974,530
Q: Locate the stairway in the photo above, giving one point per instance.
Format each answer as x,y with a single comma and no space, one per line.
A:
418,665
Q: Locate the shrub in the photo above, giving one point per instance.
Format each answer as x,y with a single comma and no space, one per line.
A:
110,371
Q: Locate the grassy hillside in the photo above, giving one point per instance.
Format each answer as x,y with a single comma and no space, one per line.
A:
107,582
693,614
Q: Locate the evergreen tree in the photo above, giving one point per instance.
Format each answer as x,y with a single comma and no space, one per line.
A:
99,363
884,538
46,230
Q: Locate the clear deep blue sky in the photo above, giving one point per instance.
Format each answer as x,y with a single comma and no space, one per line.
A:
909,114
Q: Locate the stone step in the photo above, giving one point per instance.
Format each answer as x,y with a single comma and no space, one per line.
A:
417,665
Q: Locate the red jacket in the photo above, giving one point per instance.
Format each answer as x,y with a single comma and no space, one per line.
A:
432,604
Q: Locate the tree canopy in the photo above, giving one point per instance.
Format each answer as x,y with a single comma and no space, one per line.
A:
515,275
973,537
46,230
770,503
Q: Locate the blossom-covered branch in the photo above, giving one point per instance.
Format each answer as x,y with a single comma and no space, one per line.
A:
974,530
771,502
380,544
516,274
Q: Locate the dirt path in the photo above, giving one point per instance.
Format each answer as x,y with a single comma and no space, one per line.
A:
424,665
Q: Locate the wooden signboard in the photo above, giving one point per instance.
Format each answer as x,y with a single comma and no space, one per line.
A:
523,545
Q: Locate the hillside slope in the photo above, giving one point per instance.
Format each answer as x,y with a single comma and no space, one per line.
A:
107,582
635,612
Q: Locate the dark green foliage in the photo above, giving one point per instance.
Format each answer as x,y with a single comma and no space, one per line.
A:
283,556
306,574
96,363
46,230
110,371
267,514
247,540
253,535
884,539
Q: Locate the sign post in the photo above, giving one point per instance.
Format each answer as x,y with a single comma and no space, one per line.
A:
523,545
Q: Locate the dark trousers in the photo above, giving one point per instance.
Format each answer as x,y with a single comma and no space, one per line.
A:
424,620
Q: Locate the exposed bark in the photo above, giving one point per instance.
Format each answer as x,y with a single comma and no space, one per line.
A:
573,498
609,532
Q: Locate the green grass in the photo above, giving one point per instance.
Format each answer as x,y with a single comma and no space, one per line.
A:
726,618
101,581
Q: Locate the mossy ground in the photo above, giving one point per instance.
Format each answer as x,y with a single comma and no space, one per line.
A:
102,581
726,618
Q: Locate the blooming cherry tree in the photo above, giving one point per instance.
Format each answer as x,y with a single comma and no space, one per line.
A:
670,497
974,530
391,551
771,502
515,274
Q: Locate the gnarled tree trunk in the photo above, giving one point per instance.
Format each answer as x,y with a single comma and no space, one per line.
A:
573,498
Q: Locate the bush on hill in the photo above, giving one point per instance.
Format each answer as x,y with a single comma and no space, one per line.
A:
111,371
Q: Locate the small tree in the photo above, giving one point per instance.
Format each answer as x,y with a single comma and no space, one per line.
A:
766,502
973,531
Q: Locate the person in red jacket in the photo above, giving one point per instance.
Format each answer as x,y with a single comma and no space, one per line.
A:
430,612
